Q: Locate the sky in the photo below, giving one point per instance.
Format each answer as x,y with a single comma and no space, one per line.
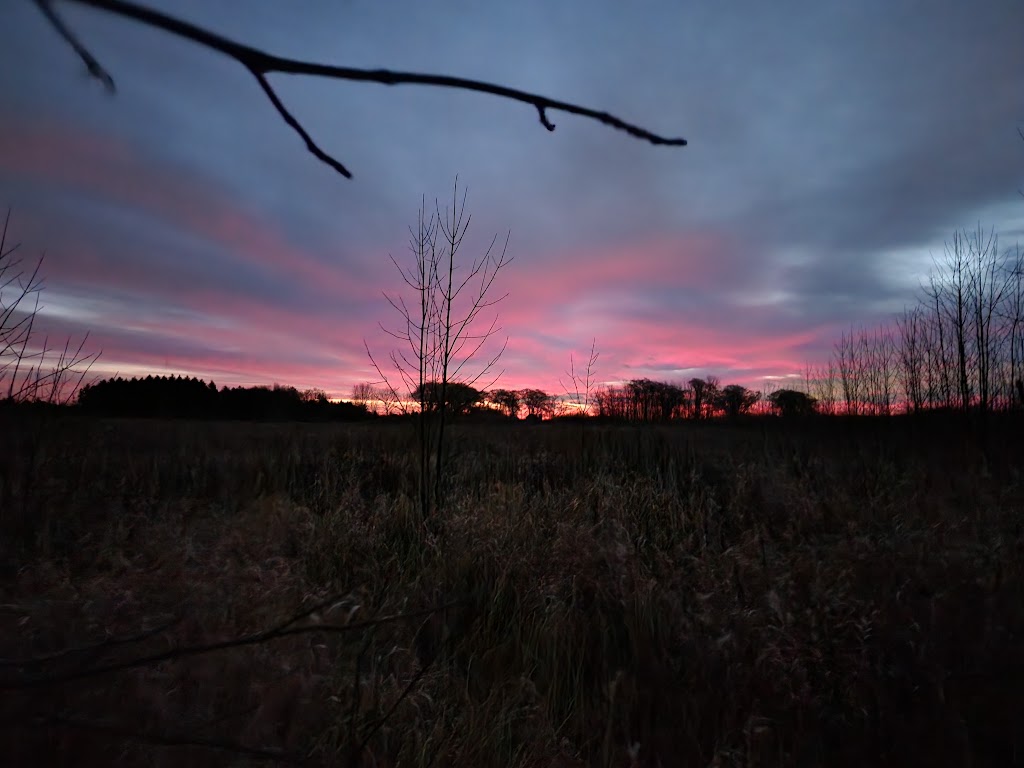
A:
833,148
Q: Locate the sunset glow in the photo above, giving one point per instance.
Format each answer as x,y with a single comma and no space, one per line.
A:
187,230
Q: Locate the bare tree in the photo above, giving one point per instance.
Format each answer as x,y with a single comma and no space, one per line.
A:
912,358
260,64
825,383
700,393
962,347
538,403
850,364
443,335
714,385
509,401
31,369
611,402
735,400
880,371
989,285
363,394
644,399
373,397
314,395
955,311
768,388
387,401
1013,316
376,398
940,351
578,390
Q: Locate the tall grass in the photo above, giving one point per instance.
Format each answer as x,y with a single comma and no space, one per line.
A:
841,593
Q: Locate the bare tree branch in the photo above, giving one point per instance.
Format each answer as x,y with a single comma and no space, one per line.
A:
92,649
159,739
285,629
260,63
582,384
387,715
95,68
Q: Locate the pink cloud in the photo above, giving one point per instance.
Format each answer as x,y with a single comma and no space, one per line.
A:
105,169
599,293
692,261
152,311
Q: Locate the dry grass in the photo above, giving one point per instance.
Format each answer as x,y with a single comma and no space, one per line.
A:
755,595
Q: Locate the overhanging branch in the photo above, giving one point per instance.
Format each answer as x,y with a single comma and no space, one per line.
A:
260,64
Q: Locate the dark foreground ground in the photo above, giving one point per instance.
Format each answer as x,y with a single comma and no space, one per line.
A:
826,593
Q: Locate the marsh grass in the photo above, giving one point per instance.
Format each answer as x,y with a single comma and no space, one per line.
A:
840,593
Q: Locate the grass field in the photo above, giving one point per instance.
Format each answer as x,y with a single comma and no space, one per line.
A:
841,593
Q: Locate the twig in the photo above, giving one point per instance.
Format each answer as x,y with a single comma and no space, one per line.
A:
357,690
167,740
95,68
387,715
260,63
86,649
402,697
283,630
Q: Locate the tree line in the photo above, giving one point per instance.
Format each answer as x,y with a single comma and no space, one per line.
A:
181,397
649,401
639,400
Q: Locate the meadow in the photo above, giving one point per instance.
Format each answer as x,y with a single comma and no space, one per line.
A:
762,593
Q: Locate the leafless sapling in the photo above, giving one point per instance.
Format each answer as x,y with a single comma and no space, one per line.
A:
31,370
443,330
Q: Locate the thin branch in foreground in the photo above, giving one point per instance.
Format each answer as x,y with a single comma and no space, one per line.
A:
96,69
285,629
296,126
87,650
165,739
260,63
387,715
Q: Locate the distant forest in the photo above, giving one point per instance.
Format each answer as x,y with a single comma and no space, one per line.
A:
637,400
180,397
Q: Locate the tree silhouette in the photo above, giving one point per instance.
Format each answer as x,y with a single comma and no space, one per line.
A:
582,381
538,403
32,369
442,328
649,400
191,398
260,64
702,392
735,400
960,348
458,398
791,403
508,400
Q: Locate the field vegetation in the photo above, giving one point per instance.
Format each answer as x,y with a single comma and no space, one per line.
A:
755,592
